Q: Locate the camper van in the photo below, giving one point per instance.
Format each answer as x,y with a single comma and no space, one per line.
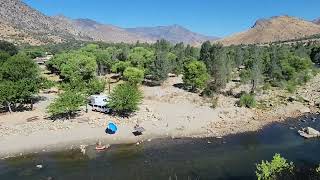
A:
99,103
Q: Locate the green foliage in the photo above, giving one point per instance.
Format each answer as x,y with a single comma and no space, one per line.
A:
161,66
141,57
79,65
9,48
133,75
46,84
19,80
95,86
125,99
66,105
4,56
274,169
106,58
120,66
247,100
195,75
291,86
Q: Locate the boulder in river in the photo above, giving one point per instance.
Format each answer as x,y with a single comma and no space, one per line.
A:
309,132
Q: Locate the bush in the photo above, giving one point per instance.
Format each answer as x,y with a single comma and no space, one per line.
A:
291,86
214,102
125,98
247,100
133,75
274,169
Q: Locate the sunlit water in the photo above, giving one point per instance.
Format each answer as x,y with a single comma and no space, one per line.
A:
233,157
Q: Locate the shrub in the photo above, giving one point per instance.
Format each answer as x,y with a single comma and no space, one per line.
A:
133,75
274,169
291,86
247,100
214,102
125,98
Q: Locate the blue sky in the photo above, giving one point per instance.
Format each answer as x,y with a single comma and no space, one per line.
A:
210,17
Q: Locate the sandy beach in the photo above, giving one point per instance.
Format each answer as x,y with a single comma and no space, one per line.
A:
166,111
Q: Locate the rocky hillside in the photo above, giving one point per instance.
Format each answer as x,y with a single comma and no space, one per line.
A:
20,23
174,34
278,28
107,33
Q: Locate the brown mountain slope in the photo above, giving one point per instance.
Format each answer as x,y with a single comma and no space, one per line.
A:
106,33
173,33
19,23
32,24
277,28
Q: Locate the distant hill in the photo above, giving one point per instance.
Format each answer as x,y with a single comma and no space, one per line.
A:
19,23
173,33
107,33
278,28
316,21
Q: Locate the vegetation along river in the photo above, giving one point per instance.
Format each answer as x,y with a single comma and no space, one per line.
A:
231,157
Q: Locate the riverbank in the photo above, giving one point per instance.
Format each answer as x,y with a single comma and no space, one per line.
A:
232,157
166,111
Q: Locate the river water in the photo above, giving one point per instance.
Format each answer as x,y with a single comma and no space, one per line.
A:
232,157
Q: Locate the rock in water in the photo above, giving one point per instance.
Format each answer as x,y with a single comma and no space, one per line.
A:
309,133
312,131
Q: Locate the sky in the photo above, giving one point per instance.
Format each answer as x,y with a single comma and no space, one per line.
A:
210,17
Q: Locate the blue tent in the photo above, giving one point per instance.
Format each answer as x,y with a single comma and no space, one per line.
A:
111,128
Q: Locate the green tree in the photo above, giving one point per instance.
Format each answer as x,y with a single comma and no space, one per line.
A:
274,169
219,69
195,75
95,86
133,75
79,65
125,98
19,80
66,105
205,52
141,57
161,66
120,66
105,59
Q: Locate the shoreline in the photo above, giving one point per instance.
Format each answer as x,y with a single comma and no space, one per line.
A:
166,112
55,143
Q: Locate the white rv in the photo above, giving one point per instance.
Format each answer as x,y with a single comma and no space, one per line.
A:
99,103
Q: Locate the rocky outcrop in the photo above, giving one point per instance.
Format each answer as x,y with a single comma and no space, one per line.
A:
309,132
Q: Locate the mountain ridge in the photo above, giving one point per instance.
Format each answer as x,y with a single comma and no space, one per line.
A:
273,29
21,23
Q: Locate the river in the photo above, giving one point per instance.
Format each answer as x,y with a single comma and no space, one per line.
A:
232,157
